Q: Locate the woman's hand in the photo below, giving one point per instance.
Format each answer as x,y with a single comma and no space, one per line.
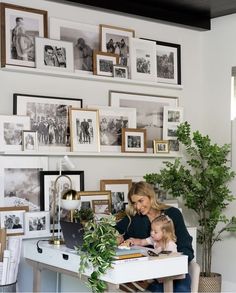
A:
120,239
136,241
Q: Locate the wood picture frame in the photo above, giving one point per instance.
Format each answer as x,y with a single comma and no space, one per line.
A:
160,146
87,198
29,141
134,140
37,224
16,19
103,63
101,206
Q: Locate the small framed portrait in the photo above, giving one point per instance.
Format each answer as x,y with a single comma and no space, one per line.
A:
37,224
103,63
120,71
101,206
134,140
29,141
12,218
54,55
115,40
84,125
160,146
19,27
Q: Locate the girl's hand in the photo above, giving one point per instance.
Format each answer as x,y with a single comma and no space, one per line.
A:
135,241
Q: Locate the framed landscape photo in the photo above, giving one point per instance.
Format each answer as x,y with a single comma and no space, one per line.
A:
102,206
160,146
149,111
115,40
133,140
120,71
54,55
12,219
11,128
49,116
172,117
143,60
84,125
29,141
19,27
37,224
84,37
19,181
119,192
103,63
88,197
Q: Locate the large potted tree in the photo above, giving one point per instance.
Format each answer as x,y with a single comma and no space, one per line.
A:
201,179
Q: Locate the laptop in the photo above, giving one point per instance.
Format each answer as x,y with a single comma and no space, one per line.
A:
73,234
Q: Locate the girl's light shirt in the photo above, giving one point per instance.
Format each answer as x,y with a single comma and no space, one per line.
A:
170,246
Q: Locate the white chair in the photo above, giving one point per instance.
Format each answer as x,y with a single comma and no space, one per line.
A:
194,272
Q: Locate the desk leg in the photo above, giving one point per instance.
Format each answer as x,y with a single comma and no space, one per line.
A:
36,279
168,285
112,287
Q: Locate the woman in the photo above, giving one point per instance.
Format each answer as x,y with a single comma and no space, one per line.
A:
142,209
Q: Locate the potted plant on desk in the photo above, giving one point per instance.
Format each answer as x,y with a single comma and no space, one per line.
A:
202,182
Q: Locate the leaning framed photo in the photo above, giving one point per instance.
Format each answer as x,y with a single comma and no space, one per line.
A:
49,116
115,40
160,146
54,55
172,117
85,39
84,126
37,224
119,192
120,71
103,63
143,60
149,111
12,219
29,141
11,128
91,198
134,140
19,27
101,206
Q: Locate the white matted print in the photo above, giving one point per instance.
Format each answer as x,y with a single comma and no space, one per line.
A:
172,117
143,60
111,122
30,141
134,140
19,181
37,224
54,55
103,63
84,126
120,71
87,198
11,128
149,111
85,39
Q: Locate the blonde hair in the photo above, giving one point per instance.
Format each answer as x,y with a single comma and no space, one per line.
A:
167,227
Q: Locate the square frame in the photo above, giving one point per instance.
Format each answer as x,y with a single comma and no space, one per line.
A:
85,39
103,63
20,176
87,198
149,111
143,60
37,224
120,71
35,107
120,36
11,128
15,219
160,146
35,24
134,140
29,141
119,192
54,55
84,127
172,117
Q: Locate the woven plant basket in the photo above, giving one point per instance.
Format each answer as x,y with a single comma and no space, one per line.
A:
210,284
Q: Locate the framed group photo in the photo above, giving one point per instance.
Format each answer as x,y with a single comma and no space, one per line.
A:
134,140
37,224
103,63
29,141
120,71
19,27
160,146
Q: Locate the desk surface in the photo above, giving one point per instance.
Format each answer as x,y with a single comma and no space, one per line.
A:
63,258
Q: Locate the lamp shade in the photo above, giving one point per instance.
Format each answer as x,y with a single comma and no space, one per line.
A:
70,200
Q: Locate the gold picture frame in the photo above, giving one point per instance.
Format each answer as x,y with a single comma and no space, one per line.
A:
87,198
160,146
103,63
134,140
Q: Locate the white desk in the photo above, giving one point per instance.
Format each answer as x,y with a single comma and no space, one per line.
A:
64,260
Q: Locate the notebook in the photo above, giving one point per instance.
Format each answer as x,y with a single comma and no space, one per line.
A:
73,234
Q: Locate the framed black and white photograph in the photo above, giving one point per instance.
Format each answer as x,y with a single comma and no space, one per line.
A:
47,189
88,197
115,40
120,71
12,219
37,224
119,192
103,63
54,55
134,140
11,128
19,181
85,39
84,125
30,141
49,116
111,122
172,117
19,27
143,60
149,111
101,206
160,146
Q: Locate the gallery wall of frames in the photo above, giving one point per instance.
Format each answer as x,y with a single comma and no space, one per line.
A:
131,125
